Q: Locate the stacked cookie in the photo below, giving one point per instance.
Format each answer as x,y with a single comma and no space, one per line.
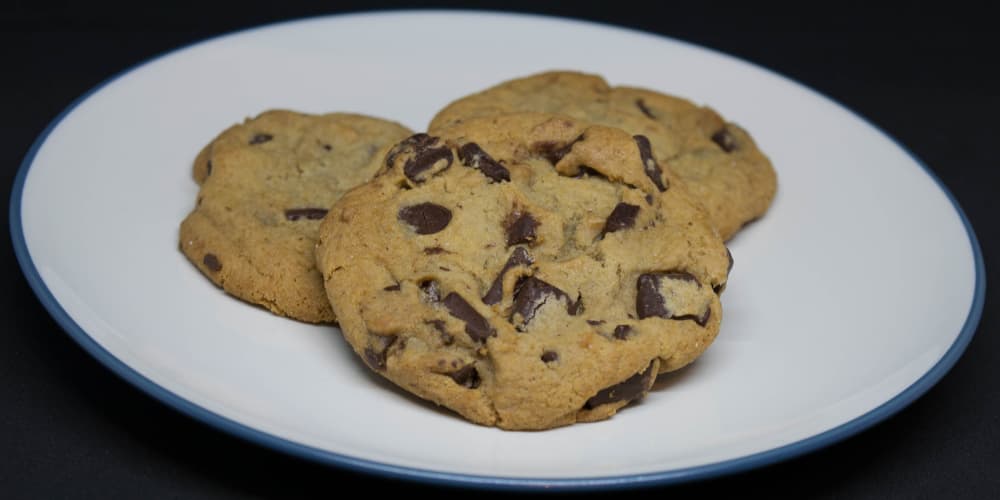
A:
534,260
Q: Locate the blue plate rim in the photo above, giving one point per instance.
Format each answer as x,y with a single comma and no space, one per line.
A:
302,451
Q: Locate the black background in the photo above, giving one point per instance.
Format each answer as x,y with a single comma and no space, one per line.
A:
70,428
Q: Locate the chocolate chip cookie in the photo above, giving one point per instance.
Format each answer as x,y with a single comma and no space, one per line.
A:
717,160
527,271
265,186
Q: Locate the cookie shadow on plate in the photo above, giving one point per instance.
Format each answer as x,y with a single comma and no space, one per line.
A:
665,381
341,352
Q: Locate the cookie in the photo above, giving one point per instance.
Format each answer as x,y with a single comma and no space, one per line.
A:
271,181
527,271
717,160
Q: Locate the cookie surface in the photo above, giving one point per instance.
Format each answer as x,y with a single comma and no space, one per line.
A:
272,180
526,271
718,161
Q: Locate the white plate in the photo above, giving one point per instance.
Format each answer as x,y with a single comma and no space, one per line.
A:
854,295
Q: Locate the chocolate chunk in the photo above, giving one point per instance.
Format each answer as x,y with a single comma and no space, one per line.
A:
424,159
411,143
425,218
260,138
622,332
473,156
650,302
430,291
649,165
550,356
520,257
392,288
642,107
718,289
725,140
531,293
466,376
212,262
434,250
701,320
424,156
375,359
438,325
294,214
554,151
622,217
632,388
521,228
475,324
375,354
595,322
649,199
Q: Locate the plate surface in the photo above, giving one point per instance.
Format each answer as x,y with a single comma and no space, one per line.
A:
854,295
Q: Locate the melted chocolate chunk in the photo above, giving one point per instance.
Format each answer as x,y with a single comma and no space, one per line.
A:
622,217
466,376
411,143
423,160
632,388
521,229
645,110
260,138
550,356
212,262
725,140
438,325
650,302
425,218
375,354
520,257
622,332
554,151
475,324
649,165
294,214
531,293
473,156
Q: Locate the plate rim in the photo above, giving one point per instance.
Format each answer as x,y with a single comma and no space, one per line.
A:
372,467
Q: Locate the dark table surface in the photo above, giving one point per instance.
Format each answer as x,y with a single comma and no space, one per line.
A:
71,428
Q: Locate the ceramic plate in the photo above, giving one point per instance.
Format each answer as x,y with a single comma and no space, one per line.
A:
857,292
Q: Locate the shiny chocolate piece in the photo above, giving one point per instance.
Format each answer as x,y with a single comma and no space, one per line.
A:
475,324
632,388
425,218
